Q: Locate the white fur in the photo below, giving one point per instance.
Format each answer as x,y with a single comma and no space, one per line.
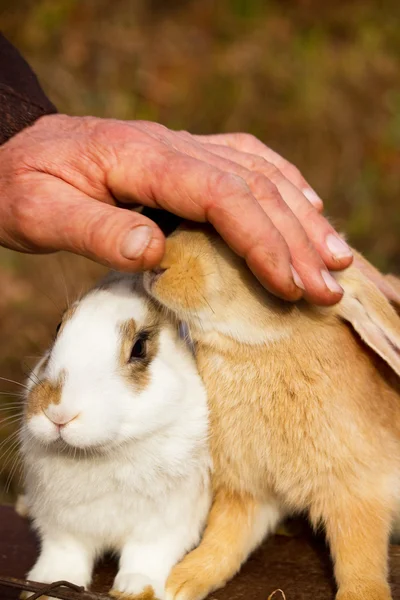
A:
131,473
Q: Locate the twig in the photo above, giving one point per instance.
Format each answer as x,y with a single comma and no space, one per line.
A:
64,590
275,592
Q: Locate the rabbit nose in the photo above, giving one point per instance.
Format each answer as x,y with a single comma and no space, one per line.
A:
61,420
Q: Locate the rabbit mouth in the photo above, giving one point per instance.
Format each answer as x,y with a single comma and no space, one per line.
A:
63,446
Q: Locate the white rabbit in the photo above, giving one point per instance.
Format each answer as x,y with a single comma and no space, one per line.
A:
114,443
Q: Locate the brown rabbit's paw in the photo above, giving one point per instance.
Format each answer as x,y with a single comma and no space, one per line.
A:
146,594
365,591
190,580
135,586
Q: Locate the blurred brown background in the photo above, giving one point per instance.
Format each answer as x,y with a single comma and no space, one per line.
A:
317,81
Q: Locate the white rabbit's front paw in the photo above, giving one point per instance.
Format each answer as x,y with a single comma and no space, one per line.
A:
50,576
63,558
135,586
48,573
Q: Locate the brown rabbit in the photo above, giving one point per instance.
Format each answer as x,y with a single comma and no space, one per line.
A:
305,414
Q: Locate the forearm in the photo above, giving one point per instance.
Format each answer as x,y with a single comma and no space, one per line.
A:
22,100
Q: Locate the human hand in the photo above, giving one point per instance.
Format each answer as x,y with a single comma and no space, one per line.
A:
53,175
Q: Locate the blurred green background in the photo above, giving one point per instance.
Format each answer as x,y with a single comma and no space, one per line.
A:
317,81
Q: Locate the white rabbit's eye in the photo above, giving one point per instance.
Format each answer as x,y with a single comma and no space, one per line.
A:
139,349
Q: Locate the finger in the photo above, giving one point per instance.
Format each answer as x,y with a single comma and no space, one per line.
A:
248,143
319,286
195,190
116,237
333,250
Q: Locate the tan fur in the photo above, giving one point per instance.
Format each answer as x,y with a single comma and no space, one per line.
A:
388,284
394,282
42,395
302,411
394,297
229,538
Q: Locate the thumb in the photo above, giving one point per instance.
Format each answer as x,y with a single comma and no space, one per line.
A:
116,237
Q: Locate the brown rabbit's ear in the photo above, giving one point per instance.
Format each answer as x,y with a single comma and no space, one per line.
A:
371,315
388,284
394,294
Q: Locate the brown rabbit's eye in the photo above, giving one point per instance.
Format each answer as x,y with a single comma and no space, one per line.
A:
139,349
58,327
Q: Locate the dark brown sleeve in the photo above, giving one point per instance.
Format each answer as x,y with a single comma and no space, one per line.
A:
22,100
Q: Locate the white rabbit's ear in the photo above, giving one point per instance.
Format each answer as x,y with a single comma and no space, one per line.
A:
371,315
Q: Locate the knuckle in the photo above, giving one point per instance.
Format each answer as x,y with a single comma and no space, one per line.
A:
311,215
273,199
222,183
272,172
272,259
143,124
255,163
247,139
261,185
185,135
307,253
156,131
150,126
276,252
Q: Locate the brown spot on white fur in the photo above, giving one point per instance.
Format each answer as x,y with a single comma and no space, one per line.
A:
137,371
43,394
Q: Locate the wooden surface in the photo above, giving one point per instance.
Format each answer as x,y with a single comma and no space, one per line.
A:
299,565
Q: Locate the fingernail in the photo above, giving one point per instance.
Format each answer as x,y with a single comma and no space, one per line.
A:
338,247
136,242
331,282
313,197
297,278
